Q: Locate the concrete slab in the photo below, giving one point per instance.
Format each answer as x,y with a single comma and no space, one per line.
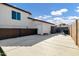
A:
36,45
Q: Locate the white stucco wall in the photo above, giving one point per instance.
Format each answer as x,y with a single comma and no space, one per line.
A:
6,20
42,27
46,28
38,25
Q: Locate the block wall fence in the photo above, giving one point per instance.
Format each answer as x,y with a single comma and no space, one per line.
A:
74,31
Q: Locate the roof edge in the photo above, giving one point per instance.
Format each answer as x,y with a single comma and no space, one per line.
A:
16,8
40,20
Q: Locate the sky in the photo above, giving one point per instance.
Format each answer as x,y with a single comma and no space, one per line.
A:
52,12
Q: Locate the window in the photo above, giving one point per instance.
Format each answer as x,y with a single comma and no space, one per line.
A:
13,15
16,15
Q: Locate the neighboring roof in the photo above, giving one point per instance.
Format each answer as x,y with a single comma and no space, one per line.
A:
41,21
16,8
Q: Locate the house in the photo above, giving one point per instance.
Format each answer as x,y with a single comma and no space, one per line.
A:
62,27
42,26
13,17
17,22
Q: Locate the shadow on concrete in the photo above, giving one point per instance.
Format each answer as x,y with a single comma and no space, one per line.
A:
26,40
2,53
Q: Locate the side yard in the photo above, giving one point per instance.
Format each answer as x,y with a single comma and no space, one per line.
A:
38,45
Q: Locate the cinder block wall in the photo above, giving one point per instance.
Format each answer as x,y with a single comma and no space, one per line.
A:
70,30
77,33
74,32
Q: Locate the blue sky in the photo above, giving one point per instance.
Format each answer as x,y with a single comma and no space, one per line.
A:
52,12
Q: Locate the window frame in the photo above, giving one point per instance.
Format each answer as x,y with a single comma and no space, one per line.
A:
16,15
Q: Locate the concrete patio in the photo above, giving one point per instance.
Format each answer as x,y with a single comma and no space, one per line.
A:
38,45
